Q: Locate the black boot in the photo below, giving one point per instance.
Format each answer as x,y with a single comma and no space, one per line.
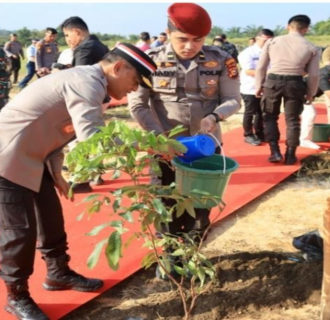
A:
275,155
61,277
290,156
20,304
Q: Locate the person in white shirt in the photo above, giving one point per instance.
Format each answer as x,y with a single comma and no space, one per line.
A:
248,60
31,64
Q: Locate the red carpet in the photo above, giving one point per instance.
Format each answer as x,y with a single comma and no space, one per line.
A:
254,177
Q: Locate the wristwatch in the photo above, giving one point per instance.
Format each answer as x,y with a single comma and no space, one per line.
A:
216,116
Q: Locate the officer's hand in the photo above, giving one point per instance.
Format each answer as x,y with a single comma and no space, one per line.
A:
62,186
308,99
208,124
259,93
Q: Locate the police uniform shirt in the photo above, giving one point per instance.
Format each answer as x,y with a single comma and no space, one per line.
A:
248,60
13,48
44,117
181,95
46,54
290,54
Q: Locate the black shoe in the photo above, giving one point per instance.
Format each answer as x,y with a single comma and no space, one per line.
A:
253,140
25,309
82,188
290,156
275,155
61,277
72,281
261,137
20,304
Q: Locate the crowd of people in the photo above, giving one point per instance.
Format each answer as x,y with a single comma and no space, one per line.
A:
175,80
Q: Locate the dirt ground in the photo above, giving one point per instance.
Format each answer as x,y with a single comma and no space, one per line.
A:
260,275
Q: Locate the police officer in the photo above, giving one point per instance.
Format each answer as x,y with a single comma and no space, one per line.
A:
290,57
195,86
47,52
87,50
14,50
59,107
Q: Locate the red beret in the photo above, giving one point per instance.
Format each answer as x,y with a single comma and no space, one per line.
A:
190,18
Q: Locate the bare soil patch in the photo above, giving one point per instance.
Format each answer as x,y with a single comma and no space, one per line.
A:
260,275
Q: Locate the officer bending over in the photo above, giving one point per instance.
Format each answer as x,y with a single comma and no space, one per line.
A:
51,112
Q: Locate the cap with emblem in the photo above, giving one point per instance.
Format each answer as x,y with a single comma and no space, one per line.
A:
144,65
190,18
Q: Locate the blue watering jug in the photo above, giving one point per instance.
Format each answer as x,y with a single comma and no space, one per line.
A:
198,146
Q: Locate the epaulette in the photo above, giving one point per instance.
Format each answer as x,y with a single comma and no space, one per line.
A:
39,45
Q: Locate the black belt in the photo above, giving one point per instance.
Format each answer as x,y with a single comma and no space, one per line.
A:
273,76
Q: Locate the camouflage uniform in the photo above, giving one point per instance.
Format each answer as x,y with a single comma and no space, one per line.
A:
4,79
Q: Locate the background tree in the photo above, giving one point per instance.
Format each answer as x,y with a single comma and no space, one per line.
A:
321,27
252,30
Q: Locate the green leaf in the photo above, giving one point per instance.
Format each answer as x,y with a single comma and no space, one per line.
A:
95,255
113,250
149,260
80,216
190,208
159,207
178,252
179,270
201,276
91,197
192,267
116,204
127,216
116,174
116,224
178,129
97,229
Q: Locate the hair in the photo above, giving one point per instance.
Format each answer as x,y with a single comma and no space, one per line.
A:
163,34
13,34
299,21
74,22
51,30
145,36
265,32
111,57
223,36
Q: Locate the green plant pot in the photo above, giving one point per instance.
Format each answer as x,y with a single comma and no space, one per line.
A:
209,174
321,132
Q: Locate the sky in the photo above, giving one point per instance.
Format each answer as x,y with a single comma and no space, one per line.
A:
125,18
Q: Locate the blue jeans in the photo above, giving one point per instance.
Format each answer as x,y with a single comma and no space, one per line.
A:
31,69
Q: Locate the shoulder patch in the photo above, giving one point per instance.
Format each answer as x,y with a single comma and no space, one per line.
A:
231,66
39,45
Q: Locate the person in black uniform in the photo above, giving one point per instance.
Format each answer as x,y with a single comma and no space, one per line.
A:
87,48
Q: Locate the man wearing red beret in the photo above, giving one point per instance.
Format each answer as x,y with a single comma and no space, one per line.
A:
195,86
